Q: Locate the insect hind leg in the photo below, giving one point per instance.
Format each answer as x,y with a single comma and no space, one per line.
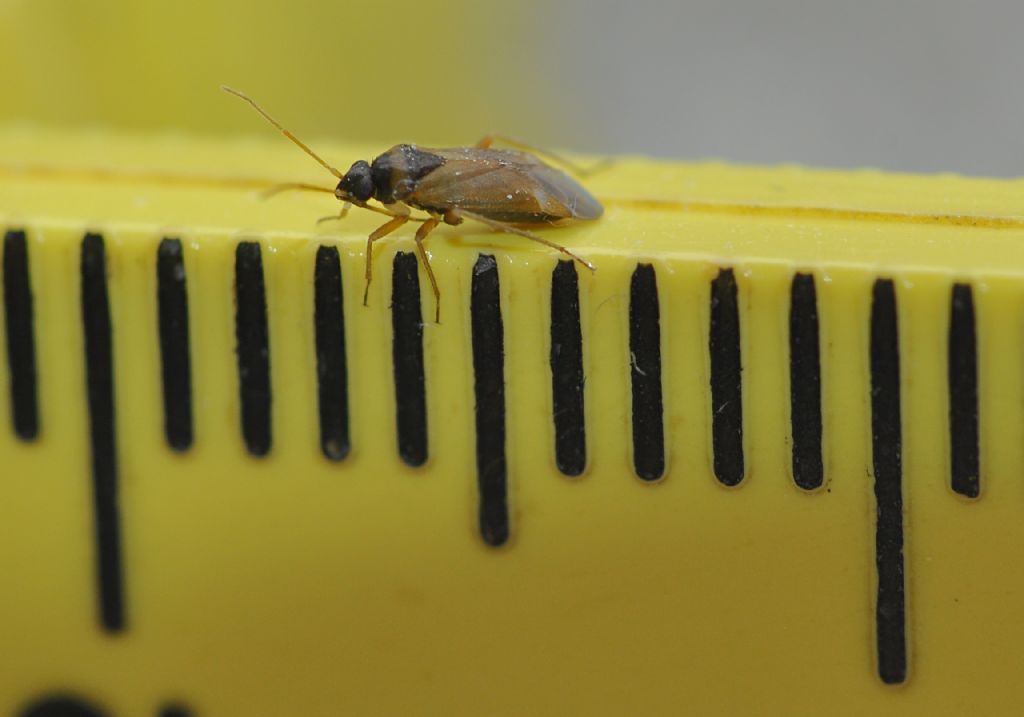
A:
510,229
576,169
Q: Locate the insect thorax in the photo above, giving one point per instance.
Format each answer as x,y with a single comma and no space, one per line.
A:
396,172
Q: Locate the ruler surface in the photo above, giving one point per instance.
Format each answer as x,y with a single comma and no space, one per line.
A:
767,459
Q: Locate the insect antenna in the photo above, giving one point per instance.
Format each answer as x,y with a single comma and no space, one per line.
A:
291,186
285,132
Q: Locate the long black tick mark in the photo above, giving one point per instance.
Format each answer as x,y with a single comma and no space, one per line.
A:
253,348
726,380
99,369
21,341
567,370
489,389
805,383
407,356
645,370
61,706
172,296
887,437
331,360
963,394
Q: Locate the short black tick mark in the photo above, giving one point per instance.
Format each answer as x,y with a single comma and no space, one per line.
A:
489,390
805,383
331,360
253,348
645,370
726,380
407,356
176,363
567,370
963,394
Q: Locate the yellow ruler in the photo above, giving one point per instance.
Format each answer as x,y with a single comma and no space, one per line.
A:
766,460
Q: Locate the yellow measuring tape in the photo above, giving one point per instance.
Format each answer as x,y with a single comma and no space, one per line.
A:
766,460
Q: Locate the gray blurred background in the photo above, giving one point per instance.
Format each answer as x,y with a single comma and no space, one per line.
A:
912,85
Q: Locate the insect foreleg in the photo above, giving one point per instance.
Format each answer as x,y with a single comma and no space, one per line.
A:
381,231
421,234
388,210
502,227
336,217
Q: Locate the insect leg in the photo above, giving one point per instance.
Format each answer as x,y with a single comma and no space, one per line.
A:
421,234
503,227
559,159
336,217
387,211
381,231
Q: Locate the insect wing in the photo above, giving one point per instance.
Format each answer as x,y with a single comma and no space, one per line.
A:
505,186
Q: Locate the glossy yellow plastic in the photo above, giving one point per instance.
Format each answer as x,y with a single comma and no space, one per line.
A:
290,585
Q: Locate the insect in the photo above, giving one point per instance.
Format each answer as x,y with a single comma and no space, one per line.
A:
504,189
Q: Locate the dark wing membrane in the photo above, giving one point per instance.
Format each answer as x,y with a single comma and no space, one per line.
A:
505,186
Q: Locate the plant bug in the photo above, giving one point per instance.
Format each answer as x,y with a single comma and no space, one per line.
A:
503,189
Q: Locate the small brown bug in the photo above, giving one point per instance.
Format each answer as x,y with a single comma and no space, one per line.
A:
503,189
